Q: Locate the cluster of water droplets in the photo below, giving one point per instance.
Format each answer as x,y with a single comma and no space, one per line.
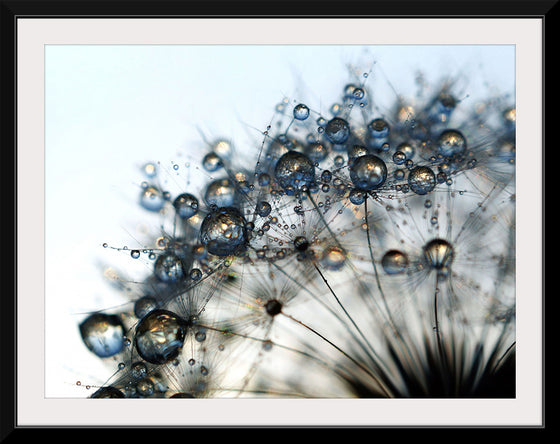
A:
352,243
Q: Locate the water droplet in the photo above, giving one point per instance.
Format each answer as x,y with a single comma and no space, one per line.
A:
451,143
358,93
145,387
135,254
337,130
301,243
200,336
150,170
398,174
326,176
438,253
263,208
223,149
333,258
211,162
368,172
159,336
264,179
446,103
138,370
394,262
407,149
301,112
422,180
103,334
169,268
196,274
186,205
399,158
220,193
357,197
378,128
224,232
152,198
294,170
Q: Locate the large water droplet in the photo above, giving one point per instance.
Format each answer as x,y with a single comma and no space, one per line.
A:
169,268
438,253
333,258
159,336
294,170
451,143
103,334
224,232
220,193
301,112
337,130
368,172
394,262
186,205
421,180
152,198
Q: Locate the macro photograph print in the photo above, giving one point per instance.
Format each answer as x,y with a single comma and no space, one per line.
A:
261,221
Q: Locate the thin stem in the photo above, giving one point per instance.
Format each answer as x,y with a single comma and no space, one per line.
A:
359,364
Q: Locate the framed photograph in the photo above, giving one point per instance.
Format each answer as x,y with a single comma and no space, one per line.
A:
274,215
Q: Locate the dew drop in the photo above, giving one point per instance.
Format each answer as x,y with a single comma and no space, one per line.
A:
103,334
368,172
263,208
422,180
152,199
337,130
211,162
438,253
159,336
224,232
294,170
196,274
333,258
169,268
394,262
301,112
186,205
451,143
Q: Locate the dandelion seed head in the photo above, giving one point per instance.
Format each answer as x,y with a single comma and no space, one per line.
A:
286,277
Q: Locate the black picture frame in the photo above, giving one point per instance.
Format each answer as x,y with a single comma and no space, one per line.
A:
11,11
